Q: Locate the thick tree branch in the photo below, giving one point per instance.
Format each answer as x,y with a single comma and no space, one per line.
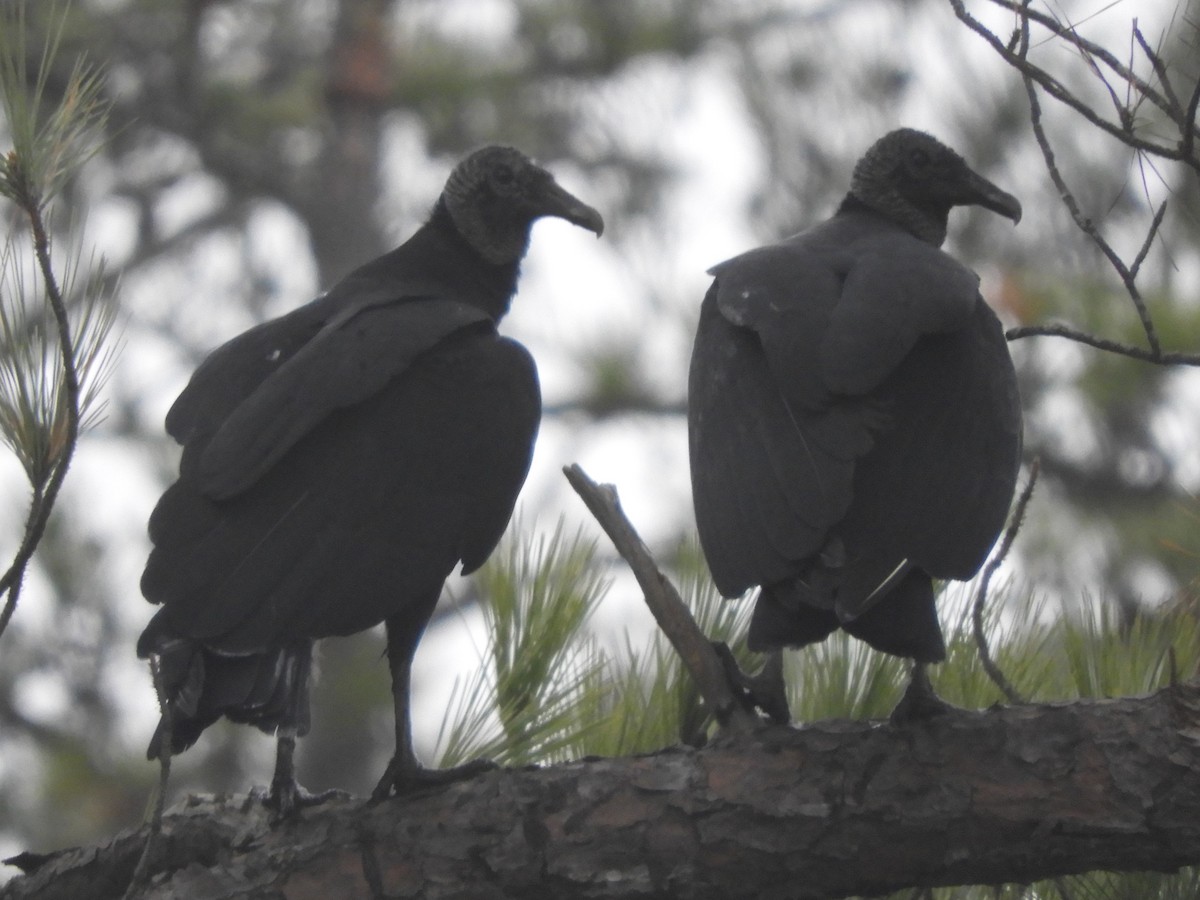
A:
1009,794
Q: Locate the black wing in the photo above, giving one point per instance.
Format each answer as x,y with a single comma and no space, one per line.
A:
352,357
365,513
791,393
936,488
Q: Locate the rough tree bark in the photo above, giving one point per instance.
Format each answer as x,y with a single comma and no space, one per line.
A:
832,809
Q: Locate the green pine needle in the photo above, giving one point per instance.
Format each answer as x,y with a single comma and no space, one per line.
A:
47,145
32,379
522,705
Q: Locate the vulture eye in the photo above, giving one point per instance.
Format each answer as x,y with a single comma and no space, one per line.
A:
503,177
918,159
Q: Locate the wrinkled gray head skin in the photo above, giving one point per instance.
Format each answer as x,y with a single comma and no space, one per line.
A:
914,179
495,195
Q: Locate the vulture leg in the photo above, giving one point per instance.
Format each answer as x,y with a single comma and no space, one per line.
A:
920,701
764,691
404,773
287,797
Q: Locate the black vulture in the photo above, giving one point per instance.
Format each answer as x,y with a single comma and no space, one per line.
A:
853,416
339,461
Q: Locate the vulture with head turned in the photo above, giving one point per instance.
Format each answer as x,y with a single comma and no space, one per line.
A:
854,422
340,461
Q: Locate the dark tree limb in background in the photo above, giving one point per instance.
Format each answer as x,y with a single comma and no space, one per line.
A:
1009,794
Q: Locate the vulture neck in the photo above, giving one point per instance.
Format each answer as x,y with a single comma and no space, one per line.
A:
927,224
440,250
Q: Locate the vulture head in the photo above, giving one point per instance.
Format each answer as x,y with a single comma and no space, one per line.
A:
495,195
914,180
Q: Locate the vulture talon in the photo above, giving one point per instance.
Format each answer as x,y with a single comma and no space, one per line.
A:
920,702
765,691
399,780
287,799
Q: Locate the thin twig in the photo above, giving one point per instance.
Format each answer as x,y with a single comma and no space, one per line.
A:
1091,50
1187,143
1165,358
1160,69
141,872
1010,535
1128,278
1181,151
1016,53
1151,234
665,604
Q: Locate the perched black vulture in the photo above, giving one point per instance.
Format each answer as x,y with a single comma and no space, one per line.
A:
339,461
854,422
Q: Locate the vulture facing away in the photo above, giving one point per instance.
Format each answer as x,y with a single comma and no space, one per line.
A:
854,421
338,463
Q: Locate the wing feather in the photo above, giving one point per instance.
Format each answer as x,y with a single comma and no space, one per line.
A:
394,484
352,357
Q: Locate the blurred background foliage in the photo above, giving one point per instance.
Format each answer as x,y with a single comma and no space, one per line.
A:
257,150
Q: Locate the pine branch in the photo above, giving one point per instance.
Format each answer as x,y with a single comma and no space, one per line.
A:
41,424
64,434
833,809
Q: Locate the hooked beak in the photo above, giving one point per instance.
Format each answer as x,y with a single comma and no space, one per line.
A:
981,192
561,204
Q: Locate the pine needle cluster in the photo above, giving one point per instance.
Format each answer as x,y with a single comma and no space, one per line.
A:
55,321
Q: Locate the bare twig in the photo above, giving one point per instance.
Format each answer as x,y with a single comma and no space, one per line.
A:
668,608
1188,142
1010,535
1138,91
1122,130
1164,358
166,737
1127,274
1160,70
1151,234
1092,51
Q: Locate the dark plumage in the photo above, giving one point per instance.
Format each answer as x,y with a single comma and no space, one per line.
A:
854,422
339,461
